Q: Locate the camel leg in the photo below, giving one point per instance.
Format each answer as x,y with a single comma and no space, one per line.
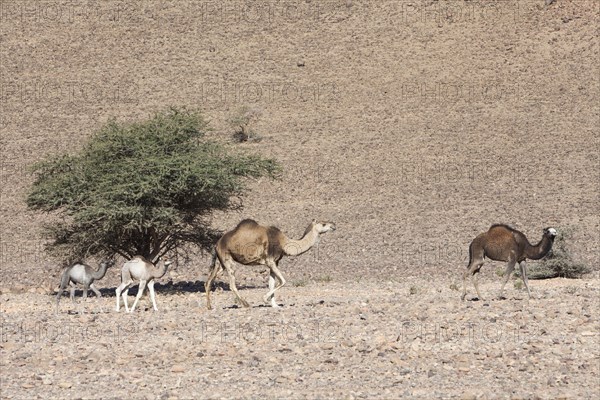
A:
140,292
96,291
151,290
118,296
464,284
474,280
274,271
85,294
118,293
510,267
230,272
271,287
125,296
72,290
63,285
58,296
208,284
472,270
524,275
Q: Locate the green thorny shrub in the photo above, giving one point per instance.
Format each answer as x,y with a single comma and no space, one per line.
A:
142,188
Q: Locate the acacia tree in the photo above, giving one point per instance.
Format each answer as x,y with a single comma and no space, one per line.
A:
141,188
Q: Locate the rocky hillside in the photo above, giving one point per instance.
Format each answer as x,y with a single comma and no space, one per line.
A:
412,125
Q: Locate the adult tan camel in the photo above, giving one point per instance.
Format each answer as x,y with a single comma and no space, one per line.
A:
253,244
504,243
139,269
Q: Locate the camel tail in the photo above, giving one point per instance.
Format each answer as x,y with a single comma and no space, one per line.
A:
470,254
213,260
125,275
64,281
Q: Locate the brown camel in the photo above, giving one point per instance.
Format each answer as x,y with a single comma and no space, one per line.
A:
503,243
253,244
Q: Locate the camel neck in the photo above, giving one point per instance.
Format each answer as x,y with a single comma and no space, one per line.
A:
101,272
539,250
296,247
159,272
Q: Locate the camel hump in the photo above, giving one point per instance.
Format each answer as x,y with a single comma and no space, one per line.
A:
77,262
141,258
501,232
247,223
498,227
503,226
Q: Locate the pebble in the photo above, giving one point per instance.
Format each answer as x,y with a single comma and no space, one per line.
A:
178,368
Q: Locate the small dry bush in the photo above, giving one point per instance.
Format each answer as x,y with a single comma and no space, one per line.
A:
242,122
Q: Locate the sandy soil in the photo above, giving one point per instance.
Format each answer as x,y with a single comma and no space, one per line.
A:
329,340
413,126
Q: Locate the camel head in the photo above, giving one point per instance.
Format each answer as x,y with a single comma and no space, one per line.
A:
550,233
162,270
323,226
166,261
108,263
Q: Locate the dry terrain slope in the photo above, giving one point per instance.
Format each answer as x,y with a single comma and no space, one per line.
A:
413,125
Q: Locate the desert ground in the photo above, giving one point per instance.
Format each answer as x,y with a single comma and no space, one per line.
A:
410,339
413,125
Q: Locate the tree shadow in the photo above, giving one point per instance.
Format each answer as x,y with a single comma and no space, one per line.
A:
238,307
164,288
